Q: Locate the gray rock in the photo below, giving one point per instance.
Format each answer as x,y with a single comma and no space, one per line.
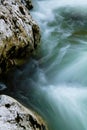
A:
19,34
27,3
14,116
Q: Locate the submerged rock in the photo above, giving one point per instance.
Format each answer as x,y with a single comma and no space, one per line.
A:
19,34
2,87
13,116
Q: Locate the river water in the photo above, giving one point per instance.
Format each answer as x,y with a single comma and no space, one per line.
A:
55,82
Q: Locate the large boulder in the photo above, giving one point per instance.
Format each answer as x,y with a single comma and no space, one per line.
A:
19,34
14,116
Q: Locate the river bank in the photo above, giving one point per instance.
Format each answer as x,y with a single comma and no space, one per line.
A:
19,39
54,84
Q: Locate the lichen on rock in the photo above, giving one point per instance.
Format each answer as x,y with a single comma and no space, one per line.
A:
19,34
14,116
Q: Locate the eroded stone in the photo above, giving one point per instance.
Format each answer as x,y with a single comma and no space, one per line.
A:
14,116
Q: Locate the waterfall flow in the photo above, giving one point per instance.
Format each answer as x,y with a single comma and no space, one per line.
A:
55,83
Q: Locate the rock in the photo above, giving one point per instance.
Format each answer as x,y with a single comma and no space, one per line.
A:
19,34
14,116
27,3
2,87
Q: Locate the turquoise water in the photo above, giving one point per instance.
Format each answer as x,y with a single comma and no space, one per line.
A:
55,82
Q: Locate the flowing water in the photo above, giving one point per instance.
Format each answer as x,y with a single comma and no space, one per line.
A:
55,83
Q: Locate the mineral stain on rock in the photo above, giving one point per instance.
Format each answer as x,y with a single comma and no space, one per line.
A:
19,33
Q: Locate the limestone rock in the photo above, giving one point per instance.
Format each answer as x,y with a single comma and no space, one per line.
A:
14,116
19,34
27,3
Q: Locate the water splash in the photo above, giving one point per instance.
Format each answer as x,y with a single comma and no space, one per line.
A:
63,25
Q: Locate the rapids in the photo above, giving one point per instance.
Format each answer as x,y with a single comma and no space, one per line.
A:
54,83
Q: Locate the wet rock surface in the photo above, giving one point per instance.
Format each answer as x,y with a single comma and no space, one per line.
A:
19,33
13,116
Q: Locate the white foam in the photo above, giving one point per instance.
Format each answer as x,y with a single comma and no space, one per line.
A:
70,101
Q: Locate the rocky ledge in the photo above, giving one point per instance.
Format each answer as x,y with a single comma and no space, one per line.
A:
19,33
14,116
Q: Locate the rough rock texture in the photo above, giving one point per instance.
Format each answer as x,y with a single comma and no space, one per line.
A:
13,116
27,3
19,34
